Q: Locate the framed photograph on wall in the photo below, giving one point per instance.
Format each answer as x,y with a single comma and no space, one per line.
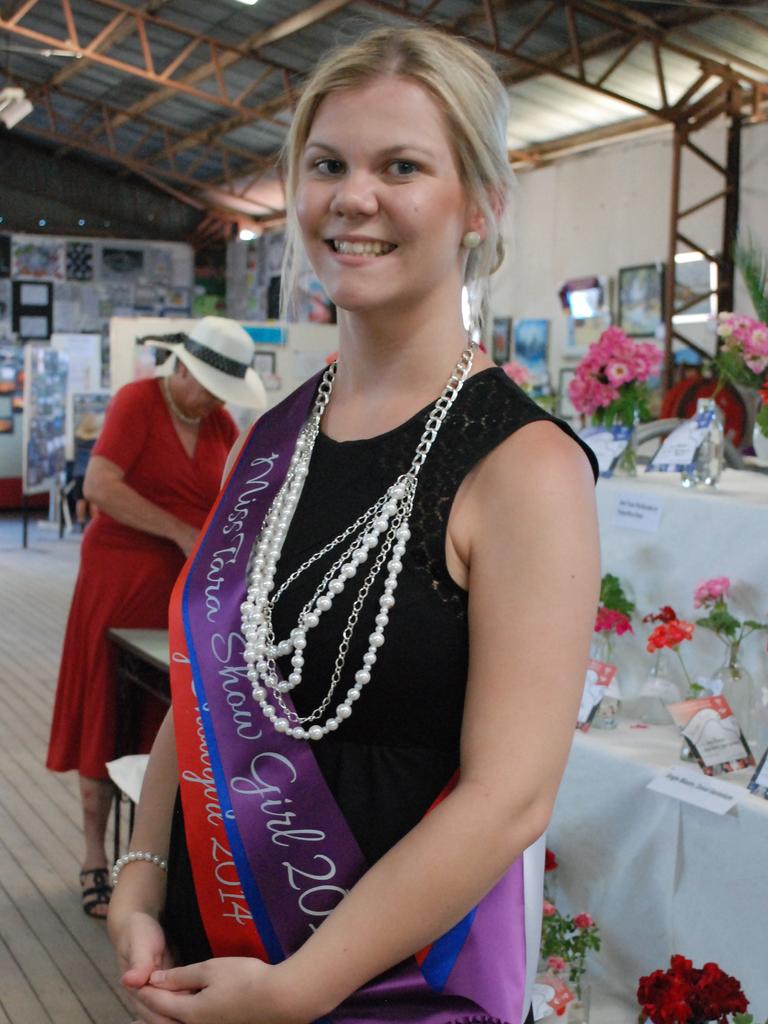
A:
264,363
641,299
565,407
532,350
502,339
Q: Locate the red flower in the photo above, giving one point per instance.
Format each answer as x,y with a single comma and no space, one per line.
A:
556,963
685,993
583,921
610,621
669,634
664,614
550,861
549,909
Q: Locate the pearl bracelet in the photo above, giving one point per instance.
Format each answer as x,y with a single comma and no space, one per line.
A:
131,856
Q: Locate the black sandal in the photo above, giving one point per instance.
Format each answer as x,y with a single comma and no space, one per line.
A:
96,895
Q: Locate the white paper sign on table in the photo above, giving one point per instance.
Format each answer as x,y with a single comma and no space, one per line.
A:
693,787
637,512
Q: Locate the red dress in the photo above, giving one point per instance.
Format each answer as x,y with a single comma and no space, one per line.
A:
126,576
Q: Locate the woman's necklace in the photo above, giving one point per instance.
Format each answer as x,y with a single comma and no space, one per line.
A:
191,421
380,534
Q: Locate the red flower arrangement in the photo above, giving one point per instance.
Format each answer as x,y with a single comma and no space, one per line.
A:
550,860
684,994
610,621
669,634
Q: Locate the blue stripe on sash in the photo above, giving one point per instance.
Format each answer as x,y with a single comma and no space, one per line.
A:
247,881
439,961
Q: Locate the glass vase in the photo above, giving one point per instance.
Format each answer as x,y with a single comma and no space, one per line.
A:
760,444
738,688
709,458
578,1008
607,714
660,688
626,464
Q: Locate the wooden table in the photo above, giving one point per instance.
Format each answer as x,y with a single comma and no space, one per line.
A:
142,665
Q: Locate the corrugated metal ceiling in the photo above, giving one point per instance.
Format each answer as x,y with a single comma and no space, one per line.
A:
196,96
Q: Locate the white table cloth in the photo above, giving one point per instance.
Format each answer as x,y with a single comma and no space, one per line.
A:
659,876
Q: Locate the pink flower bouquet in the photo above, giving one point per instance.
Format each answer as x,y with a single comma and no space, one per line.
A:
745,346
518,373
611,382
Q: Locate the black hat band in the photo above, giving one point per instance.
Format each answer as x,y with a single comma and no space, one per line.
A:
206,355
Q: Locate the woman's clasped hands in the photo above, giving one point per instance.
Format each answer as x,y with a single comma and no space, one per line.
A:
227,990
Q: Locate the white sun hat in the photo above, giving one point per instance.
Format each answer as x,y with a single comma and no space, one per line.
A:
219,354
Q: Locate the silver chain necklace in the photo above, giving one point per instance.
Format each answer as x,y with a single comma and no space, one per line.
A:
380,534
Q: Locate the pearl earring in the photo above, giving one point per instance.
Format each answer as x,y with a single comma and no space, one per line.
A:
471,240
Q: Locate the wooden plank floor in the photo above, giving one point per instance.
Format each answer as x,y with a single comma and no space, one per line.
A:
56,965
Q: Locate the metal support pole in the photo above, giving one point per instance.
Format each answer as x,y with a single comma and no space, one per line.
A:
731,213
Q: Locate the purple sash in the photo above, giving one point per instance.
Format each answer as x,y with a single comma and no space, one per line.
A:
262,800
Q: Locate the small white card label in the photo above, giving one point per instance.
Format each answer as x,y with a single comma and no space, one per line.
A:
637,512
678,451
690,786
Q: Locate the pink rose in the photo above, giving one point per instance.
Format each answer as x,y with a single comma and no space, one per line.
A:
549,909
556,963
583,921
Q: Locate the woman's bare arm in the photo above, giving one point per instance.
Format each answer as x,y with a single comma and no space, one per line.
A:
104,485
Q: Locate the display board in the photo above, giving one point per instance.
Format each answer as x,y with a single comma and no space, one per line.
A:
84,352
44,418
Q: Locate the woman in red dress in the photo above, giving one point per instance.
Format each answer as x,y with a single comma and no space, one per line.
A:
154,474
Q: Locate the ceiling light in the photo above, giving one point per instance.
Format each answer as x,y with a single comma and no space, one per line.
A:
246,235
250,3
14,105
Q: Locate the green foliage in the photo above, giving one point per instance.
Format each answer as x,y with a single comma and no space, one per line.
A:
762,419
628,408
744,1018
720,621
753,264
612,596
561,936
730,366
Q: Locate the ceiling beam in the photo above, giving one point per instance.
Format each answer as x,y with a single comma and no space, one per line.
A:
296,23
138,20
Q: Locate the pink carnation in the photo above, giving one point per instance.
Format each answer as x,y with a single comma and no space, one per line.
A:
549,909
556,963
611,362
711,590
583,921
518,373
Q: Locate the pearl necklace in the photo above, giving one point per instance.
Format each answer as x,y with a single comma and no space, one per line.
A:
191,421
380,533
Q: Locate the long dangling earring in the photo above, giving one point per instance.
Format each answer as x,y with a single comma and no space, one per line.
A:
471,240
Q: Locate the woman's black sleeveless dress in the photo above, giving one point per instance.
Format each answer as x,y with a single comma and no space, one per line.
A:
386,764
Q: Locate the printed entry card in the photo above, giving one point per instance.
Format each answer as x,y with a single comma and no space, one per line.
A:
597,679
758,784
713,734
607,443
678,452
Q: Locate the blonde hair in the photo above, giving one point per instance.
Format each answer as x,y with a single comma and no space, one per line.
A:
476,109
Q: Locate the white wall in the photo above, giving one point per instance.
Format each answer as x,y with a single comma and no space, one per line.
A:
597,211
